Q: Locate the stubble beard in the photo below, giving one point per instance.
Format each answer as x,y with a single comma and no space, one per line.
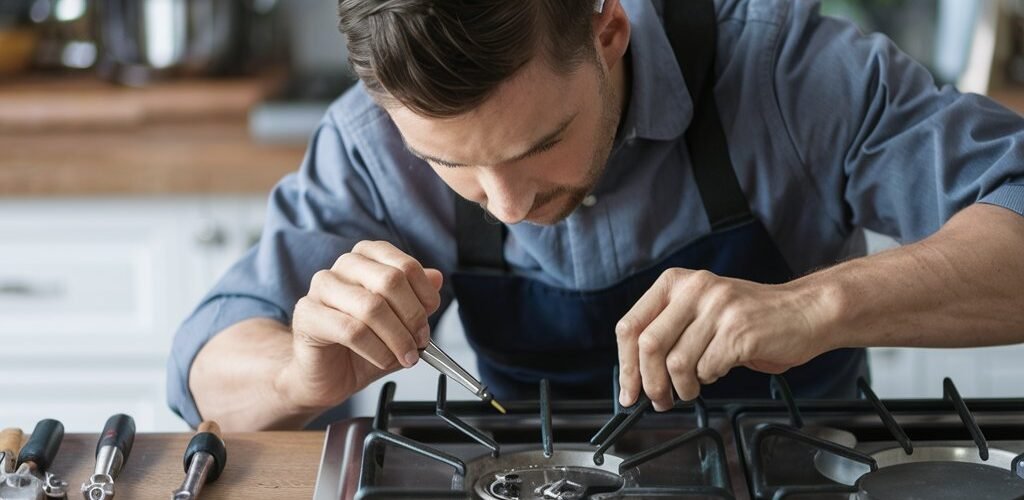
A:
574,196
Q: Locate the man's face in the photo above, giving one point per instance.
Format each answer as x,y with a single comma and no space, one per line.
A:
533,150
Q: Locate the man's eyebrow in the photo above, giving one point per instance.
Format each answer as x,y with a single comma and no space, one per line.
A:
539,145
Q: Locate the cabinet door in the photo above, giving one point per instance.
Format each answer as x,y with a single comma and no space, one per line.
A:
91,292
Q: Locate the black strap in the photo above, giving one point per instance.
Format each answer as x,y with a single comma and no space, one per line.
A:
479,236
692,29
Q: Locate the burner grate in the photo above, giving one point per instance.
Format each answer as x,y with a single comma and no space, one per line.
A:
795,431
573,473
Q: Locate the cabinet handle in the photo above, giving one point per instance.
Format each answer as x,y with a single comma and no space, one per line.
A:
24,289
212,236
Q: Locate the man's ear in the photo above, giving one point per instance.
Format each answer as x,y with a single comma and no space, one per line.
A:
611,30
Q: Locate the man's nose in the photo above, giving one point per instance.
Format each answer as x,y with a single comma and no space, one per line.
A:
507,199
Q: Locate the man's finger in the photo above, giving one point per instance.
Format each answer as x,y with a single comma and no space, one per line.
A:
369,308
435,277
627,333
391,284
386,253
682,359
327,325
655,343
716,361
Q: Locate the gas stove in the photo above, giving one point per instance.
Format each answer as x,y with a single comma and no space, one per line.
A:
776,448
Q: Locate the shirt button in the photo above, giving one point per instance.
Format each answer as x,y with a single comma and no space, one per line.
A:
590,200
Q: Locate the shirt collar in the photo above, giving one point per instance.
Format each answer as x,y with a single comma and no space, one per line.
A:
660,107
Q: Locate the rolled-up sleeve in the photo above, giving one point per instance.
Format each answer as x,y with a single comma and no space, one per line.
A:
313,216
889,149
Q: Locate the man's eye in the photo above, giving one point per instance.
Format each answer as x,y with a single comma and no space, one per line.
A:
546,146
444,163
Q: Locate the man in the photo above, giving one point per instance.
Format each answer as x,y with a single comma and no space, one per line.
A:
676,182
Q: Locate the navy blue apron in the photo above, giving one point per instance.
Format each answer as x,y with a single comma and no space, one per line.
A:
524,330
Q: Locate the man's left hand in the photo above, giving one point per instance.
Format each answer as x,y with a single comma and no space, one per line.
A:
692,327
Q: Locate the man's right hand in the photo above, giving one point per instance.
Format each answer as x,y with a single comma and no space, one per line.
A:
363,318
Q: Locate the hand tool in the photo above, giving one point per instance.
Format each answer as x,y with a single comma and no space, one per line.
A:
204,460
111,454
31,481
10,443
437,358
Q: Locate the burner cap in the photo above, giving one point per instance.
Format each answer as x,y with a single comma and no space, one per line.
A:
940,481
529,475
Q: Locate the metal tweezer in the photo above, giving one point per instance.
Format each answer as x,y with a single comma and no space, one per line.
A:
440,360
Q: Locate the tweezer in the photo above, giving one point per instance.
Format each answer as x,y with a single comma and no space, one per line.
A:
440,360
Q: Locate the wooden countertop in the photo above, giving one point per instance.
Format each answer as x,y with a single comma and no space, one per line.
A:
209,157
83,137
260,465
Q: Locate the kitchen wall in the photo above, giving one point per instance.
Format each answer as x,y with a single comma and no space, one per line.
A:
121,204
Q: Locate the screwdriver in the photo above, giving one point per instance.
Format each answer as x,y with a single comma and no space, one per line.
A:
111,454
444,363
204,460
10,443
36,457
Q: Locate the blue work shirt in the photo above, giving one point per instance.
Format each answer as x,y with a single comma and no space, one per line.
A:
829,131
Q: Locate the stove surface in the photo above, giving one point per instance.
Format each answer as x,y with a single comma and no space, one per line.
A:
758,449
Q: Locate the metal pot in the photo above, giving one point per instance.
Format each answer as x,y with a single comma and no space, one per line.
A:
848,472
145,39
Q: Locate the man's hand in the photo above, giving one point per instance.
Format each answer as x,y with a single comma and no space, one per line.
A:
363,318
692,327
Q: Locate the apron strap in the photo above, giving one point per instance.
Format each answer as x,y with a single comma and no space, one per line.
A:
692,29
479,237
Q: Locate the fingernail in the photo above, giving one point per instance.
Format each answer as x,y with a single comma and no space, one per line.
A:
411,358
659,407
623,399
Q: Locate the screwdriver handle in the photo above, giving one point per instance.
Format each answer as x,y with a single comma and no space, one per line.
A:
119,432
208,440
10,439
10,443
41,448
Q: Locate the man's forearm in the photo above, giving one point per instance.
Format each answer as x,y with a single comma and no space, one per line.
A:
235,376
960,287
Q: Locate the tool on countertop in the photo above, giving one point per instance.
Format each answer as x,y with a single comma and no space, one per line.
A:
437,358
10,443
204,460
31,481
111,454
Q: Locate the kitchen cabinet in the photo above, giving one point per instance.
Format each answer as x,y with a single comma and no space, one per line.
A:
91,292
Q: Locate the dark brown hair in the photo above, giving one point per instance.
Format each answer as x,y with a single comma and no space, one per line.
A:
442,58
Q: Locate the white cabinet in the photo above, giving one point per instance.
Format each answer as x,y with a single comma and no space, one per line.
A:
91,292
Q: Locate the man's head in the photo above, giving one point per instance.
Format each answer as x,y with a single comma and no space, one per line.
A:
513,103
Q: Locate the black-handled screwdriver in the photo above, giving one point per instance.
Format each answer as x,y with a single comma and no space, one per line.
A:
204,461
112,451
38,454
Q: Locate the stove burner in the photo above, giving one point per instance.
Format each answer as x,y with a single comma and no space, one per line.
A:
940,481
528,475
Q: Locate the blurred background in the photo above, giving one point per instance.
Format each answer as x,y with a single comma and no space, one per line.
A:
139,139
